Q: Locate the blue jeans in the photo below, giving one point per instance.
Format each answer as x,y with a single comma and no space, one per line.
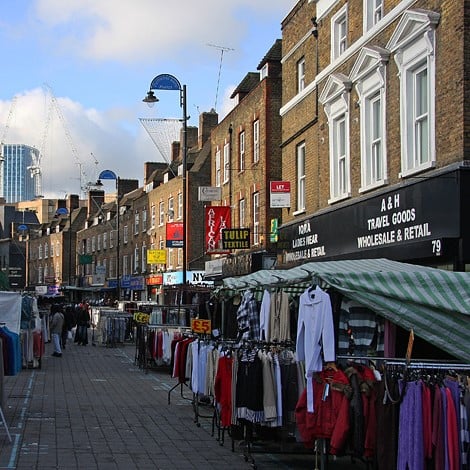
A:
56,342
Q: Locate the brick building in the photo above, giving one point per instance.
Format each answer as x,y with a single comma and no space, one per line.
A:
246,157
375,131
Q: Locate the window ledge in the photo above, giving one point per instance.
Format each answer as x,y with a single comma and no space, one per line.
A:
299,212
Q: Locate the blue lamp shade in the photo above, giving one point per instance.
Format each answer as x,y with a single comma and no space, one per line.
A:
62,211
107,175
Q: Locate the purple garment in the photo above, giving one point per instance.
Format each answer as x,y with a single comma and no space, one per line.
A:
410,440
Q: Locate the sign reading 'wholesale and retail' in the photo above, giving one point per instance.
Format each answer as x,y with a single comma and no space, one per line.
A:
420,216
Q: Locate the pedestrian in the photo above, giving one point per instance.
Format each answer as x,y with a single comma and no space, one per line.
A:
83,323
57,323
69,323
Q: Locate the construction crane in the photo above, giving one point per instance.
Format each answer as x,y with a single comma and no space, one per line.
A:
35,168
2,142
61,117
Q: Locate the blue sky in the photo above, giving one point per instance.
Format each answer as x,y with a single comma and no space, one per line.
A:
98,57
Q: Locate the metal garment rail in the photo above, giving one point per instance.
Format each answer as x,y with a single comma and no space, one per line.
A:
413,363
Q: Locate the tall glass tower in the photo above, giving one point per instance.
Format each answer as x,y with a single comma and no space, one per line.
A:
18,184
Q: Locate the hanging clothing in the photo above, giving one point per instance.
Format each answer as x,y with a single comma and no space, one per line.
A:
248,317
360,330
330,418
315,335
249,387
279,320
223,389
264,313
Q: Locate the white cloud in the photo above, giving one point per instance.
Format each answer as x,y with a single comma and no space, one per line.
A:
67,142
117,33
131,31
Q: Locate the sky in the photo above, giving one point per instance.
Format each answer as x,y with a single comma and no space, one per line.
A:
76,72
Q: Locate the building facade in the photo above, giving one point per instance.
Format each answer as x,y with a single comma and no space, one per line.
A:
375,131
246,159
17,184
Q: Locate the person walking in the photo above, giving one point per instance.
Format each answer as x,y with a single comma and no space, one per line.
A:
57,324
83,323
69,323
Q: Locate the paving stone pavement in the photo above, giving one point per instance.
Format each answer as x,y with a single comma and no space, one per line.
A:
93,408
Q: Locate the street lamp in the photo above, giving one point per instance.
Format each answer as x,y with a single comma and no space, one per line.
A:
110,175
169,82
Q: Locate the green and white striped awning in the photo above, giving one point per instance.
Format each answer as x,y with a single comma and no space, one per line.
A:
433,302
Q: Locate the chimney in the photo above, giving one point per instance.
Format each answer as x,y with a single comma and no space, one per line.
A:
61,204
191,136
73,202
127,186
95,201
207,122
175,151
149,168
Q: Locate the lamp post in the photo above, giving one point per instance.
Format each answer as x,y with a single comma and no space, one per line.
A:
110,175
169,82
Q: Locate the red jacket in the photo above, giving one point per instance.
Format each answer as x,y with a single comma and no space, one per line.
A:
330,418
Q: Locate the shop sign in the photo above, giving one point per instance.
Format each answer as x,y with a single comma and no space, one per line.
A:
40,290
217,218
202,326
209,193
140,317
235,238
53,290
423,212
214,267
156,256
174,234
125,281
280,194
137,283
154,280
171,279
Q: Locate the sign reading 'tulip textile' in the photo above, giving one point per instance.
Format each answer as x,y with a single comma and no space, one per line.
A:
279,194
217,218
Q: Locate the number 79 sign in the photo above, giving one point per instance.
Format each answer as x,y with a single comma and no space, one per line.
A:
199,325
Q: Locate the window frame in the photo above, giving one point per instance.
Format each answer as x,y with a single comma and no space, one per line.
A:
373,12
218,181
256,218
413,44
300,161
241,150
161,213
242,212
369,77
300,74
171,209
335,98
339,38
226,169
256,144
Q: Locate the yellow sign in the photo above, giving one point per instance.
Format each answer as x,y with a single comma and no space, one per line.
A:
140,317
199,325
156,256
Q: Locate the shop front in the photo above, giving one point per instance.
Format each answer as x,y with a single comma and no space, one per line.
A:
419,222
